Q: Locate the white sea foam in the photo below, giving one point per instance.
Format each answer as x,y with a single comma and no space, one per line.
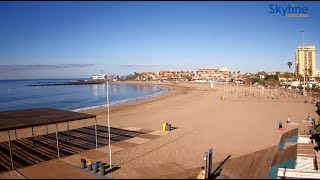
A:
123,101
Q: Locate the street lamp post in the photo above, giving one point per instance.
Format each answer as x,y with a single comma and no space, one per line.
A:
304,60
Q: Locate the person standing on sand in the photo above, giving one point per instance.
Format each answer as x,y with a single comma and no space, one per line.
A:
280,125
313,121
201,174
288,121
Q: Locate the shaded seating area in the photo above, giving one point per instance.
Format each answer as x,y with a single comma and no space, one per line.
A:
24,152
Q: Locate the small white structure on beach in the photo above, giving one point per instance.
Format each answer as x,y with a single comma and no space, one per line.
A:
211,84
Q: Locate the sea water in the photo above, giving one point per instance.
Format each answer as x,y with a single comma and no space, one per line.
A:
16,94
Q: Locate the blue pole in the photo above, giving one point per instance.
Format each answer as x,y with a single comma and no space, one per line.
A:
210,161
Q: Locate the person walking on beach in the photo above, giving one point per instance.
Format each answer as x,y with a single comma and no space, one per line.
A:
313,121
201,174
280,125
288,121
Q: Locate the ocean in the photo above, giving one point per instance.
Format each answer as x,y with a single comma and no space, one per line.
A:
17,95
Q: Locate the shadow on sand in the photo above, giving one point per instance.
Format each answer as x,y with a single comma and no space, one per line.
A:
173,128
112,169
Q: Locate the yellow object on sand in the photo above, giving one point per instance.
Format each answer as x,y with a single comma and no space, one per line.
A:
164,126
200,175
88,162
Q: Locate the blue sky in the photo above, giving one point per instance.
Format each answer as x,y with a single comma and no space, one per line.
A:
40,38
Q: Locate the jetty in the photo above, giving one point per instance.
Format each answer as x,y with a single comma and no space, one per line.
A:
79,82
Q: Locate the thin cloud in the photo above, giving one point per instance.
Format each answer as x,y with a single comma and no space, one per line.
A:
34,67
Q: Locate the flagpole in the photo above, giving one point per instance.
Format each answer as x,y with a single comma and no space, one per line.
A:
109,123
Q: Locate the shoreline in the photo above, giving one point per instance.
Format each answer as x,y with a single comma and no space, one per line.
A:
169,89
172,88
160,90
163,91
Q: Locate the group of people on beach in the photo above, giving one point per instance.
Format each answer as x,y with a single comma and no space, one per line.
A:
281,95
309,118
268,93
280,122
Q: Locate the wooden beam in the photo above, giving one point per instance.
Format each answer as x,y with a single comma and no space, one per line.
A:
57,137
96,132
10,150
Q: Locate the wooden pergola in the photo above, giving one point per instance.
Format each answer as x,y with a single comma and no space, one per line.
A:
29,118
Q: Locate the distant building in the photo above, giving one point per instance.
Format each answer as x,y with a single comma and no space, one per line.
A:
237,77
212,74
285,79
148,76
306,61
317,73
175,75
99,76
201,75
262,76
271,73
274,73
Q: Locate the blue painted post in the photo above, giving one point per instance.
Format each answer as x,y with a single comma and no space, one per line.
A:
210,162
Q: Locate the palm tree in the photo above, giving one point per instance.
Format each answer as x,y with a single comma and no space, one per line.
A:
289,65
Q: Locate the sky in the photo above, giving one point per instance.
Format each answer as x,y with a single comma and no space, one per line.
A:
79,39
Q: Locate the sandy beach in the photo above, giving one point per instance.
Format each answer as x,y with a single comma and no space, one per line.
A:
236,126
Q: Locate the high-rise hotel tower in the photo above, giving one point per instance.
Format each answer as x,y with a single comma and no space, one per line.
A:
306,61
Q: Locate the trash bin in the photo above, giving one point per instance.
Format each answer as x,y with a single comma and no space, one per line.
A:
89,165
102,169
169,127
83,163
95,167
